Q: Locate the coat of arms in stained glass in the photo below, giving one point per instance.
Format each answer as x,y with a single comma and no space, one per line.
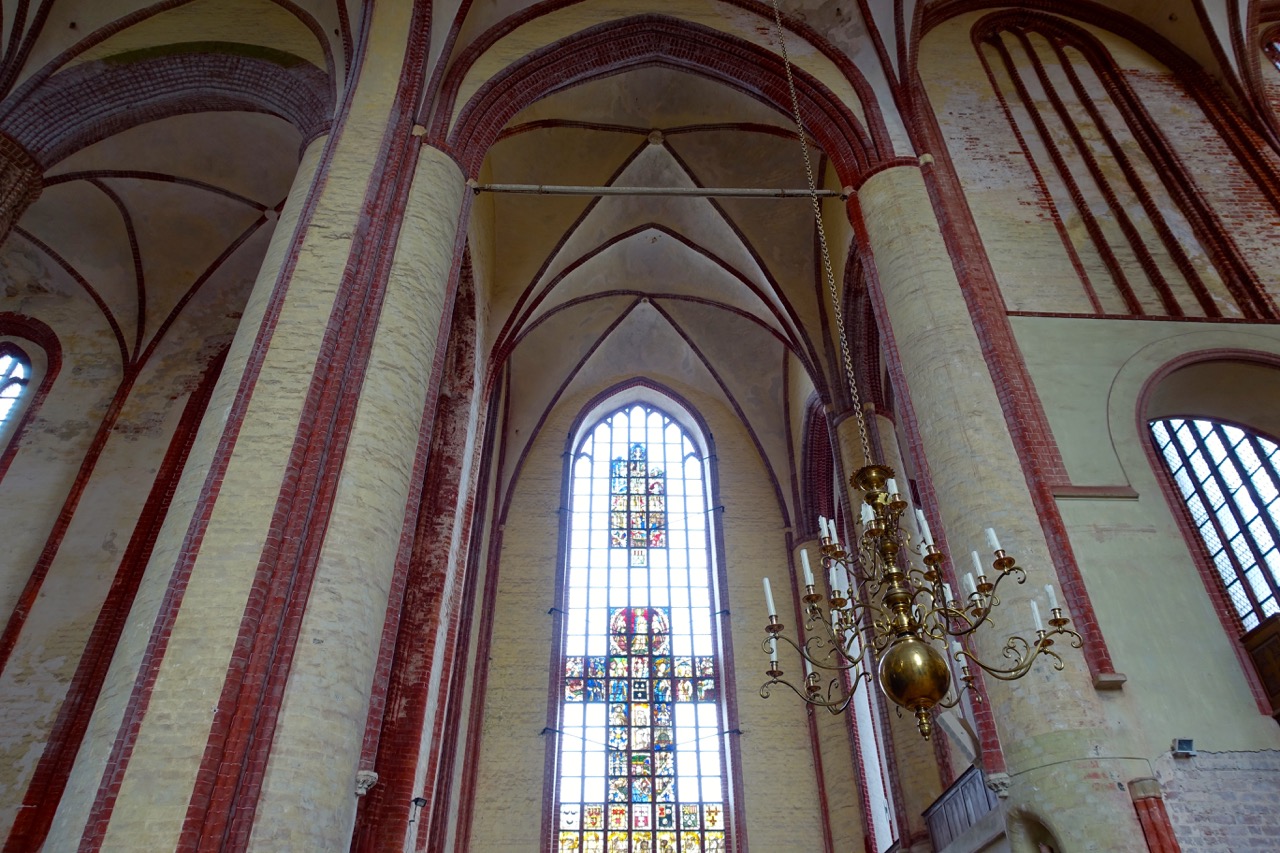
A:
645,761
637,505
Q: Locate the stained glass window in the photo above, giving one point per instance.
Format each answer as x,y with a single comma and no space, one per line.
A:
641,765
1230,481
15,372
637,505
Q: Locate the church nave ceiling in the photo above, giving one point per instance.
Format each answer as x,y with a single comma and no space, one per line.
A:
168,135
714,296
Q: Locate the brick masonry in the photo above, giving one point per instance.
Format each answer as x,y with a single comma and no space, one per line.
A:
1223,802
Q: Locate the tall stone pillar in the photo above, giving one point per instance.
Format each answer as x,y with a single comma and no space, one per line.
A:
1055,734
317,741
233,712
86,806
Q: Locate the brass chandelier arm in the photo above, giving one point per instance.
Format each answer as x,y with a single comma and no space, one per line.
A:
1024,653
804,650
835,698
979,605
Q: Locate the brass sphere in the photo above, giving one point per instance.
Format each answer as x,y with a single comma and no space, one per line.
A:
914,674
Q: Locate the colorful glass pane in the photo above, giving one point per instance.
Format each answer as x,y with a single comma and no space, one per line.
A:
637,520
642,759
639,732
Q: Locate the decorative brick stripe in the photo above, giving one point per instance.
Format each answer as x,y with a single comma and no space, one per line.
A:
99,99
817,485
224,802
462,700
1148,802
427,612
44,793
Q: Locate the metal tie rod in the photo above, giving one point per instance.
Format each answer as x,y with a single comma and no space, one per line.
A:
683,192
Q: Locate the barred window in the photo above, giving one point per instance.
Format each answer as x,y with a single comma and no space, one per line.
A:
641,761
1230,481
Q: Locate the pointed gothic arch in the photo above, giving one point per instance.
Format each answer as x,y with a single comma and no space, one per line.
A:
641,682
648,40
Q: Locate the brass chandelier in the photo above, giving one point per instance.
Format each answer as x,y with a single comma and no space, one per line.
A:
882,607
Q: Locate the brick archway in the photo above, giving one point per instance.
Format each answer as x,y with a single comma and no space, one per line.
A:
96,100
655,40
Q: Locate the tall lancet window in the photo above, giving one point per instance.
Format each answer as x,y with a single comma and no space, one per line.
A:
1229,479
641,764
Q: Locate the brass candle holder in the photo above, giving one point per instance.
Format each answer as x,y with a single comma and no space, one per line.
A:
903,615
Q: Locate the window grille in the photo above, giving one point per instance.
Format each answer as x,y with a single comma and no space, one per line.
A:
1229,480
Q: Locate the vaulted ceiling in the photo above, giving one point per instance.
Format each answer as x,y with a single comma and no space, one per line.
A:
161,189
169,133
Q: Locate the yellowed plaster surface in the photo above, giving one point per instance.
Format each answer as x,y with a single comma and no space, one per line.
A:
1136,563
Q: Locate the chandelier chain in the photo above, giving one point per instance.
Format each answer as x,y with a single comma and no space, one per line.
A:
847,359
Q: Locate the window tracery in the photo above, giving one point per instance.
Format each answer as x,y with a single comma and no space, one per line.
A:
641,764
1229,479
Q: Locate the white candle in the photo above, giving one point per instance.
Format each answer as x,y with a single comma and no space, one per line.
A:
768,600
992,541
808,572
1053,596
808,667
867,515
831,577
893,486
1035,615
822,526
926,535
969,586
946,592
955,652
977,564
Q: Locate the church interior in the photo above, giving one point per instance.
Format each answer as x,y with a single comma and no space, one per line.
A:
466,426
